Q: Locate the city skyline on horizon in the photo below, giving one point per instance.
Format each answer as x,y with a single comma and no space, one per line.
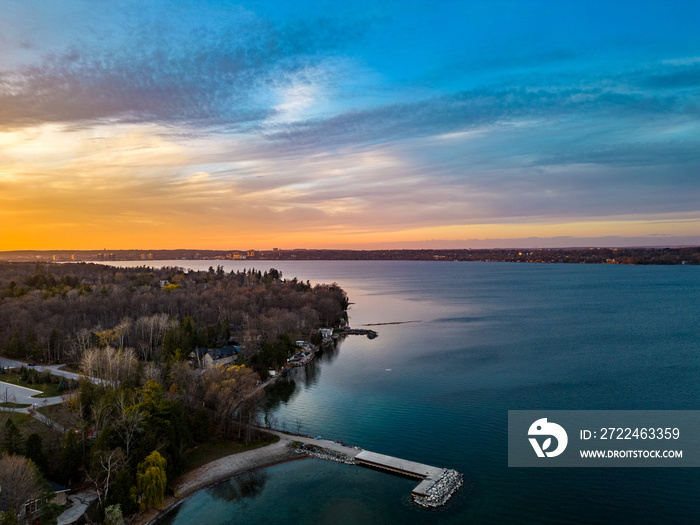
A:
381,124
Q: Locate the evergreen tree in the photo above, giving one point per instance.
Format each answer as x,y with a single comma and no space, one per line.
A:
8,518
34,450
13,438
113,515
70,457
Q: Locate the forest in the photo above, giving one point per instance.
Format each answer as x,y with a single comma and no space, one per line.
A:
135,328
55,313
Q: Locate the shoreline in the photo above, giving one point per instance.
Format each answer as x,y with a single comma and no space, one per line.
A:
218,471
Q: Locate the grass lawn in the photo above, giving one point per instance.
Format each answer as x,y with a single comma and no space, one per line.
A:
13,405
27,425
46,389
207,452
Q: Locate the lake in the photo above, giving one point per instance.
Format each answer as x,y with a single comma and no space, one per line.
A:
472,341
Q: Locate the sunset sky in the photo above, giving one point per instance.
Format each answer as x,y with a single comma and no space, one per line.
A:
323,124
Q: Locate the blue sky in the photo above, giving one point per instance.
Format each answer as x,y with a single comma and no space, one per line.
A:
320,124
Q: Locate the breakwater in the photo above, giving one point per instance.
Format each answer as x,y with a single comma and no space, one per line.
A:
436,486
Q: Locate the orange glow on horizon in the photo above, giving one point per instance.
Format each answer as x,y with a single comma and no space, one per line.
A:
140,187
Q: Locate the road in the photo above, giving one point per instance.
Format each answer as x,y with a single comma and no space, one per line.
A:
52,369
24,396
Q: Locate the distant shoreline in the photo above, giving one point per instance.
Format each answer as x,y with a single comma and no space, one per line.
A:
636,256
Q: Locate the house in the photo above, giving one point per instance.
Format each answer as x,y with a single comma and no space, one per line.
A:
59,493
208,357
56,494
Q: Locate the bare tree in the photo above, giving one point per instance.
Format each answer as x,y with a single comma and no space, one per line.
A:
122,330
20,481
105,465
151,330
101,413
79,344
153,371
226,388
109,363
129,422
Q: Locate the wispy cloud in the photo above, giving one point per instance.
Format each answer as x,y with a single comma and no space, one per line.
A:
201,78
470,109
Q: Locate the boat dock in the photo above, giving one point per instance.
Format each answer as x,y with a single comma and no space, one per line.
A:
360,331
436,484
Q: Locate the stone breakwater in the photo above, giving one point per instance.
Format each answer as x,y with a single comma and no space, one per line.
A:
323,453
441,489
437,484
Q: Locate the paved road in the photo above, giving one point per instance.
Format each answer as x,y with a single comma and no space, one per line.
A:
55,370
52,369
10,363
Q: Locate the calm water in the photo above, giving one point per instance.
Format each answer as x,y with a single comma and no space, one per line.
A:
484,338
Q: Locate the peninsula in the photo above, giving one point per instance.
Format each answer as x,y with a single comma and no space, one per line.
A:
135,376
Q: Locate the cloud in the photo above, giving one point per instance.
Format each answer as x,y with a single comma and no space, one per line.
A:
675,76
470,109
630,154
201,77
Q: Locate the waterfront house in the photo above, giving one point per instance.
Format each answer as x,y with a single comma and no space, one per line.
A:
208,357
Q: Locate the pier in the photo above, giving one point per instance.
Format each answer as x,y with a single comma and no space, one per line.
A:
360,331
436,484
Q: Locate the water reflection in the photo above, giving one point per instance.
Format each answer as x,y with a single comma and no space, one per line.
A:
244,486
284,389
248,485
309,374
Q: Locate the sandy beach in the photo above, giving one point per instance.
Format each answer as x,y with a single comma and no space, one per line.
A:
221,470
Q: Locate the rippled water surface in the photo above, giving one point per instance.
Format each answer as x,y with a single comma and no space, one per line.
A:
477,340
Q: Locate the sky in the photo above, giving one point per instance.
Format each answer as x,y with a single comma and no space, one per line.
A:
364,124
